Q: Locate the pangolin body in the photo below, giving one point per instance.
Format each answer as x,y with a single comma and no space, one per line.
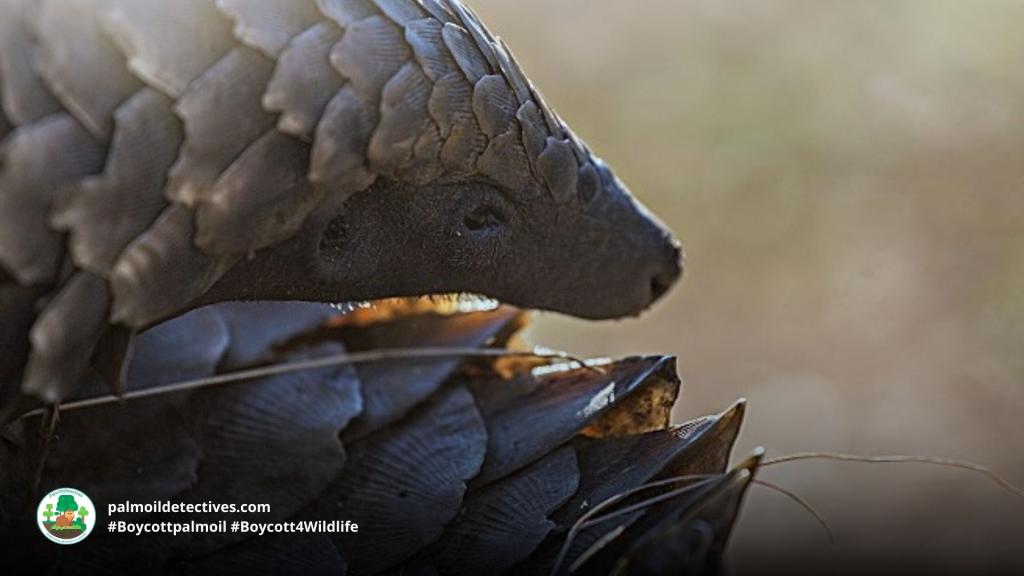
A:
448,467
151,146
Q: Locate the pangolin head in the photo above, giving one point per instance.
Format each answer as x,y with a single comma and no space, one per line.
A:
455,176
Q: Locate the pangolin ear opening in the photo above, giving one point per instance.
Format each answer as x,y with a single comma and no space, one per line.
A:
335,237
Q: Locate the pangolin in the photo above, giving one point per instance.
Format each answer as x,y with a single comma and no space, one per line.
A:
163,159
158,156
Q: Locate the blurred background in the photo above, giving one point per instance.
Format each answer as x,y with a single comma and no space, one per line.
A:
848,180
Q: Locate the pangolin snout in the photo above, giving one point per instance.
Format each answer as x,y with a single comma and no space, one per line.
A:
667,270
622,257
624,278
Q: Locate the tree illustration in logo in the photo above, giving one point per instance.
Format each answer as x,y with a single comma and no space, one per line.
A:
82,513
70,517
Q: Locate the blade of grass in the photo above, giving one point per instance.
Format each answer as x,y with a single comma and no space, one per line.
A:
425,353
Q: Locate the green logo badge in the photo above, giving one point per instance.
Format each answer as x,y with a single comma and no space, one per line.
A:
66,516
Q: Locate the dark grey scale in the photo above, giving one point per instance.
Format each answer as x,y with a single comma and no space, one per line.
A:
392,390
304,62
263,198
614,465
505,159
693,539
31,181
494,105
24,97
438,10
342,137
150,34
405,483
478,542
401,12
162,271
104,213
476,30
274,441
611,466
370,53
347,12
682,535
64,337
29,185
513,72
191,346
534,135
408,141
556,165
528,417
465,52
256,329
464,141
425,38
91,84
404,118
223,115
270,25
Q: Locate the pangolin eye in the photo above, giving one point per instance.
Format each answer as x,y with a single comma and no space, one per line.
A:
484,218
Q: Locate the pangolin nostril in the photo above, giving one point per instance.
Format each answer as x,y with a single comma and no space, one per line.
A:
660,284
663,280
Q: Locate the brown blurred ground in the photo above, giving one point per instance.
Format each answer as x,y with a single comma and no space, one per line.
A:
848,178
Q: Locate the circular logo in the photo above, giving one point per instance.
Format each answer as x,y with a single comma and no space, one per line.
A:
66,516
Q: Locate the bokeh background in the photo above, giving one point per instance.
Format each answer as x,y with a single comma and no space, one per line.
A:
848,179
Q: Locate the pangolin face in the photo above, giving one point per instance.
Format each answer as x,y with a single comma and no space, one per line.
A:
606,258
462,179
599,255
510,204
